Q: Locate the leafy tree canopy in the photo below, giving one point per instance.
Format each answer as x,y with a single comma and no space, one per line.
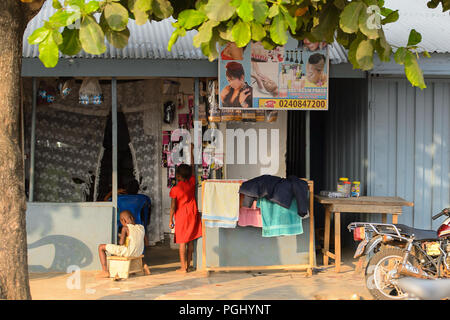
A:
357,25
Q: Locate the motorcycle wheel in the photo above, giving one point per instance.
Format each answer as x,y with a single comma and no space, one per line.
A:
381,269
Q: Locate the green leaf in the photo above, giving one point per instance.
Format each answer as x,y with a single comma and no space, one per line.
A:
364,54
258,31
189,19
140,10
141,5
245,10
116,15
119,39
290,20
414,38
225,33
49,52
219,10
352,50
274,10
278,30
210,48
413,71
426,54
57,37
433,4
162,9
400,55
340,4
349,17
91,36
260,10
367,24
63,18
92,6
204,33
241,33
383,48
179,32
343,38
38,35
391,17
328,22
71,42
56,4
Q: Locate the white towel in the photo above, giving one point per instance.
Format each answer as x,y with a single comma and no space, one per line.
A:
220,205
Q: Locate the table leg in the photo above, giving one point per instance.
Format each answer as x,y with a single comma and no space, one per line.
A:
337,240
326,244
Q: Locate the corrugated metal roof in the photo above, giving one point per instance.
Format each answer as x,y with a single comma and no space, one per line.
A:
433,25
149,41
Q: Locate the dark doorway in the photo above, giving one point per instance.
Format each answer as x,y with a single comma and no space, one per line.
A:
125,166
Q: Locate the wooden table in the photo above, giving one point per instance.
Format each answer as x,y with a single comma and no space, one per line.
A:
336,206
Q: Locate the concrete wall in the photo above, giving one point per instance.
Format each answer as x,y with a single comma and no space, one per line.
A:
245,246
60,235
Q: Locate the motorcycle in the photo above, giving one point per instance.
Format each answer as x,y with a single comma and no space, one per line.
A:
397,250
425,289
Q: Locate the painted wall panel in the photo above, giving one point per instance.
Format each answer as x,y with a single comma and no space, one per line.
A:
409,146
61,235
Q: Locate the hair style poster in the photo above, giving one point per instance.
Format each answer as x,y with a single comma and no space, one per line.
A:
292,77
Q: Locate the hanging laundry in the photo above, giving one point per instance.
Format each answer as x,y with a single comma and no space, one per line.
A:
279,190
220,207
279,221
250,217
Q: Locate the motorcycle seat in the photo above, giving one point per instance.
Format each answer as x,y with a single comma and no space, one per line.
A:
419,234
426,289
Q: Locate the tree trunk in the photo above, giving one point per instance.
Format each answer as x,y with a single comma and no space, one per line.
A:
14,282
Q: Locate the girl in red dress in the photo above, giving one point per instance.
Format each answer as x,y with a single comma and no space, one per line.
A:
187,219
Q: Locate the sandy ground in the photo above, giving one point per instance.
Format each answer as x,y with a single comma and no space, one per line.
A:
166,284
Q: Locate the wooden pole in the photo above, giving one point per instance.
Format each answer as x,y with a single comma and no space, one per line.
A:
33,142
114,155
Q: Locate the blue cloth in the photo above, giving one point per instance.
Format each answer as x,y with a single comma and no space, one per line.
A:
279,221
279,190
135,203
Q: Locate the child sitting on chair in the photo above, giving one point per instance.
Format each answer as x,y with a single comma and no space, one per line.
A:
131,243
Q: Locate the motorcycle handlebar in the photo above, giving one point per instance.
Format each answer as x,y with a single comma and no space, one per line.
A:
446,211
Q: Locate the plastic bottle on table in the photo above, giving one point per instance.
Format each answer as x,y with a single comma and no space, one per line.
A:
356,189
341,186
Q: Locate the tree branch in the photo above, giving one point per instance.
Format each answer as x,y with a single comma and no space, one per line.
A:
31,8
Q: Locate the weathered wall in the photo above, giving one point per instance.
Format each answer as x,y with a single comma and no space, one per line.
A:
63,235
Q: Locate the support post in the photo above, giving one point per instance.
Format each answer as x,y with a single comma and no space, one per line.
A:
196,138
33,142
308,145
114,155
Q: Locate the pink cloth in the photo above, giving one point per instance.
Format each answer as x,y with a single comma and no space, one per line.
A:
249,217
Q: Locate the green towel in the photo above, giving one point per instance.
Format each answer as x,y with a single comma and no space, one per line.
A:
279,221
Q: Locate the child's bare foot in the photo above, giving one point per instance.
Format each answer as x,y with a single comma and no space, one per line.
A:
102,274
146,270
181,270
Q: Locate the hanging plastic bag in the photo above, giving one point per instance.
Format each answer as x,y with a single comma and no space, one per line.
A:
90,92
65,87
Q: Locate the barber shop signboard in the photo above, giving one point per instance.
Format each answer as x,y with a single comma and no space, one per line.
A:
292,77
